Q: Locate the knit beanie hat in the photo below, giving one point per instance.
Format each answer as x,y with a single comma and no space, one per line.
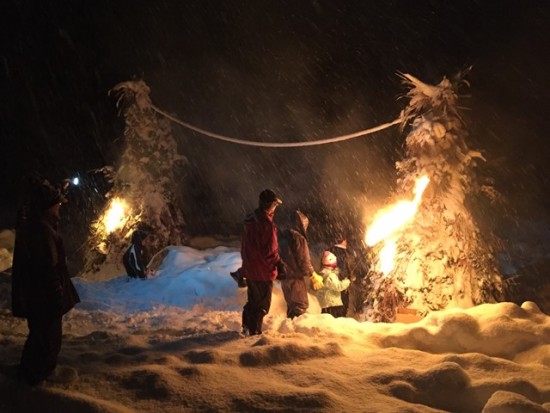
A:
329,259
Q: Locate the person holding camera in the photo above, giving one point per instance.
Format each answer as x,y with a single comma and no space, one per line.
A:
42,291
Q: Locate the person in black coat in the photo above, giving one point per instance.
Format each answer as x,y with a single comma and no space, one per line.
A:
134,259
42,291
340,250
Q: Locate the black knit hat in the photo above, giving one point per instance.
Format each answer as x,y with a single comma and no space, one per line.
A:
268,198
45,195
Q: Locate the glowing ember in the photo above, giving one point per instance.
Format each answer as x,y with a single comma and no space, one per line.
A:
389,220
116,216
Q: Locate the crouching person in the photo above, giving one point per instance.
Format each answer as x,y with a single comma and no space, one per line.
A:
134,259
329,295
42,291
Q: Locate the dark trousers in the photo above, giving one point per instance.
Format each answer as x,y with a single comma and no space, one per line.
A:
337,311
345,300
355,303
257,306
42,347
295,292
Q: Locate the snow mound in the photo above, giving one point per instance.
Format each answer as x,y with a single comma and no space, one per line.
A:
171,343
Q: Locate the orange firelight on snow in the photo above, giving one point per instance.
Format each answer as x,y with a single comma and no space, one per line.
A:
389,221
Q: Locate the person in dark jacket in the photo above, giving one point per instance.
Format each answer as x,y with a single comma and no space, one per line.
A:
42,291
340,250
294,250
134,259
359,265
261,261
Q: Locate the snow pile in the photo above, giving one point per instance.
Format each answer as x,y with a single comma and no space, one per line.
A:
186,278
171,344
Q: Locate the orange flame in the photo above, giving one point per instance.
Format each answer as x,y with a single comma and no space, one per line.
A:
116,215
113,219
389,221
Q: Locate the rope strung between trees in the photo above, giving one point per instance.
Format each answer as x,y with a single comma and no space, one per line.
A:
276,144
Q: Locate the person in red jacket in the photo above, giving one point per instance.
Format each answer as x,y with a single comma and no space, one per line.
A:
261,261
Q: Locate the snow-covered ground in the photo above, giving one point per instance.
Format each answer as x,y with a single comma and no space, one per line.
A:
171,344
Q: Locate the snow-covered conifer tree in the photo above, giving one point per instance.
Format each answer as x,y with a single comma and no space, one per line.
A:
442,256
145,182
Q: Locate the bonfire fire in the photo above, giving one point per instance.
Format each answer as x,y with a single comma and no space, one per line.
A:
389,221
116,217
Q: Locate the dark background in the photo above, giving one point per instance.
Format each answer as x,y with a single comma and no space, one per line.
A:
272,71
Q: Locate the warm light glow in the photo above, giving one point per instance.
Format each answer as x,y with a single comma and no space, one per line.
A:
419,187
387,255
116,222
116,216
391,219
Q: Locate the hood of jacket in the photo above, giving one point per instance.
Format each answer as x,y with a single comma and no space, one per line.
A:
299,222
138,236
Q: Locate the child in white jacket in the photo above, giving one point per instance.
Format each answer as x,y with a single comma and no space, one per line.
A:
329,295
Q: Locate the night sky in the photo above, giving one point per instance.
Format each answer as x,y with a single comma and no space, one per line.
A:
277,71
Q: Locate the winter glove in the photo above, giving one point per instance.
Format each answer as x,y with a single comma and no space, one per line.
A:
281,270
316,281
239,278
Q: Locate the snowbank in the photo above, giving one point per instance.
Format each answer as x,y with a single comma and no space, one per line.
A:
171,344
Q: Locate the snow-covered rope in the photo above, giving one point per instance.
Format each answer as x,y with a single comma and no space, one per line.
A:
276,144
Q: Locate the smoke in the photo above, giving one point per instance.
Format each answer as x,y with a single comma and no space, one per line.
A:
330,182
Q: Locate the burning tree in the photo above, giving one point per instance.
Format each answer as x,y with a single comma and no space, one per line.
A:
430,252
144,183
